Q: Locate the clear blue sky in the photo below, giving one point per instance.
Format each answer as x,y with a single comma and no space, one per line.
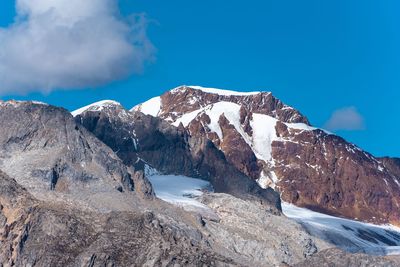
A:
318,56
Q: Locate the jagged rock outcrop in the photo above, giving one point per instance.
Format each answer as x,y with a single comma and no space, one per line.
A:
50,155
138,138
260,237
275,145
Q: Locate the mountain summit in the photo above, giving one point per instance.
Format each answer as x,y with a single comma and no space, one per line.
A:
276,145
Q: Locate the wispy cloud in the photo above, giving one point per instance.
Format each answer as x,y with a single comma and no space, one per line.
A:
347,118
70,44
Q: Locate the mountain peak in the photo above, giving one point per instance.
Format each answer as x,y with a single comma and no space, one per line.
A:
97,106
215,91
16,103
185,99
275,145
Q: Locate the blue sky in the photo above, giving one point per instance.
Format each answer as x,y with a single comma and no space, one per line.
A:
318,56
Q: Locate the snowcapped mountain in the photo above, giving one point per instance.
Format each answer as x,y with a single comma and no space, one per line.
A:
141,140
276,145
79,190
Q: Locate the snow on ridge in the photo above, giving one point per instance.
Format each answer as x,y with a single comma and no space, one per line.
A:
215,90
97,106
150,107
16,103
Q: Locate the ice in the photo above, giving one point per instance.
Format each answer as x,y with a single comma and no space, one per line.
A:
347,234
179,190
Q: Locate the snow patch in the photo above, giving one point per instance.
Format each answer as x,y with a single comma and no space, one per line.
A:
151,107
264,134
347,234
179,190
267,180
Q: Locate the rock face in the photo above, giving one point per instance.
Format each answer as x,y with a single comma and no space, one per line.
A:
139,138
43,148
264,239
336,257
38,233
275,145
331,175
392,164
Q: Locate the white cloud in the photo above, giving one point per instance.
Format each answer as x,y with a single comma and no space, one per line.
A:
70,44
347,118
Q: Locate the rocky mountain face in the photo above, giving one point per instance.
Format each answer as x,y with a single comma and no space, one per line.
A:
275,145
140,139
66,199
392,164
49,154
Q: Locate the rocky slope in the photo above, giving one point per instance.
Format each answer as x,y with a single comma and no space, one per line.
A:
392,164
42,233
336,257
275,145
43,148
140,139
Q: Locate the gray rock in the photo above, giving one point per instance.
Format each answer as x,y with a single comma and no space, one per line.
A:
339,258
43,148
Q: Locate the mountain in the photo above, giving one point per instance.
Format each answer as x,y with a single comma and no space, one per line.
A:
141,140
76,191
276,146
66,199
170,157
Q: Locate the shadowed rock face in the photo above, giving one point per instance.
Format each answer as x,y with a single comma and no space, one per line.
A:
393,165
310,167
138,138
